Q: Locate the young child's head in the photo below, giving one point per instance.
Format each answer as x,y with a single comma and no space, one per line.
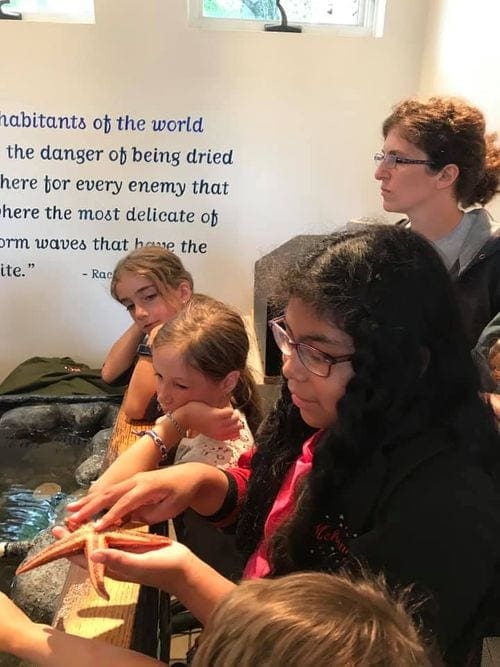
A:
201,355
311,619
152,284
444,131
494,361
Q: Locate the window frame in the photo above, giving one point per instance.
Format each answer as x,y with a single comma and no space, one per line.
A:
372,26
55,17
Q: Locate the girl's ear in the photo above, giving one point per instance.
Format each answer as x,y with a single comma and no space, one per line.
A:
184,291
229,383
447,176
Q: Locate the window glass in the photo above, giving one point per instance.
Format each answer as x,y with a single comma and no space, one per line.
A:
78,11
343,12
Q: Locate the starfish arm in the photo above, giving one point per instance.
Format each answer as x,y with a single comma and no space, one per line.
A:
87,539
96,570
133,538
60,549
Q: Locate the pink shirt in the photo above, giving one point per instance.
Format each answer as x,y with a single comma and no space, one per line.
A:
258,564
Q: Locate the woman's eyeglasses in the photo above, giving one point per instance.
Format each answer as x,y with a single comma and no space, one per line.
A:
389,160
314,360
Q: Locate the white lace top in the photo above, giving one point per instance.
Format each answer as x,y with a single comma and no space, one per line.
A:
220,453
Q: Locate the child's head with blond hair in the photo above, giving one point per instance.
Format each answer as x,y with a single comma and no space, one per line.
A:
312,619
494,361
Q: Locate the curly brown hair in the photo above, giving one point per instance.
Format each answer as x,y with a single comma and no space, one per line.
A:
451,131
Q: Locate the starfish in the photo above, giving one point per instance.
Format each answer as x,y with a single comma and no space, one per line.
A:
87,539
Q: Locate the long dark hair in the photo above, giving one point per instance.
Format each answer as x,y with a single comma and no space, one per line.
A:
389,290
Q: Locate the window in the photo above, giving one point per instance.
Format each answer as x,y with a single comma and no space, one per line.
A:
350,16
62,11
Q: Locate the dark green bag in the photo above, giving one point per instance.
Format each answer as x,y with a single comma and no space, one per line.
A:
57,376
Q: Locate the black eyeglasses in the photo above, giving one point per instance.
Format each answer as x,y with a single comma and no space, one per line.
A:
389,160
314,360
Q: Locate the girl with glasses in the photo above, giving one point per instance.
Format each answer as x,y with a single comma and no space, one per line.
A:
437,161
378,452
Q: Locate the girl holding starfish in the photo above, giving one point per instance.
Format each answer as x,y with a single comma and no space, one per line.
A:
379,451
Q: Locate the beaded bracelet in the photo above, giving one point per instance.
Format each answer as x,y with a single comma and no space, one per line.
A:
181,431
156,439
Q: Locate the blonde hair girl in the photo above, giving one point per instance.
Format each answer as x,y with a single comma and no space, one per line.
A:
211,406
212,339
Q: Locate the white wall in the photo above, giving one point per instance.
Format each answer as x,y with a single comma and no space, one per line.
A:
462,57
301,112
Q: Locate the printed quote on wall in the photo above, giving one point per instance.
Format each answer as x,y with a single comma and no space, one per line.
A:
105,184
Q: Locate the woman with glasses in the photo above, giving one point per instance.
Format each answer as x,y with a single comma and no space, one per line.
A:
378,451
437,161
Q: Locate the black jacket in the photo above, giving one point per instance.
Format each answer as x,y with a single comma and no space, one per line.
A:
423,514
478,289
477,273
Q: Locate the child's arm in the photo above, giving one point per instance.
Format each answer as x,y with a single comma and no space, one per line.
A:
122,354
142,385
143,455
141,389
155,496
173,568
45,646
219,423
